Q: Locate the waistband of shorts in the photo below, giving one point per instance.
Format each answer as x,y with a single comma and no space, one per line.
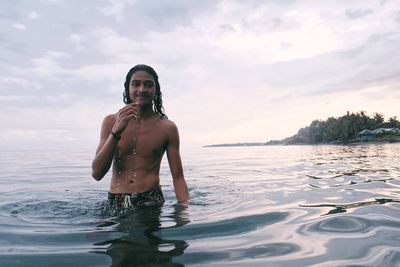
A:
133,194
153,197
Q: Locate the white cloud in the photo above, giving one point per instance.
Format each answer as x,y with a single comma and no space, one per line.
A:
116,46
33,15
52,1
47,65
20,26
78,40
15,82
116,8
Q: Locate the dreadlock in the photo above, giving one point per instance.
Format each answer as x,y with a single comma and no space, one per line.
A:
157,101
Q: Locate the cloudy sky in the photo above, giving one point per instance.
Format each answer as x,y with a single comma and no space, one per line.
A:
230,71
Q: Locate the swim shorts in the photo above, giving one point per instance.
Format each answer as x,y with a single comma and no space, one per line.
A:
152,197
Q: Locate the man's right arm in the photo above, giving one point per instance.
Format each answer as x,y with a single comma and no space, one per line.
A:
111,131
105,151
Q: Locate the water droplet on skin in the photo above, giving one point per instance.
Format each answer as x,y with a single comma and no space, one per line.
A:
133,152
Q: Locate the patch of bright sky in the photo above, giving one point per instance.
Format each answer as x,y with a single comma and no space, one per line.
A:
230,71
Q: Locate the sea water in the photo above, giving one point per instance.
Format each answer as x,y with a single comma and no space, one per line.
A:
250,206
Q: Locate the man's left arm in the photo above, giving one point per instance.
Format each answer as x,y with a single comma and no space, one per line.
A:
175,165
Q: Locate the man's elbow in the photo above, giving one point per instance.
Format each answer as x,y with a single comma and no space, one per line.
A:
96,174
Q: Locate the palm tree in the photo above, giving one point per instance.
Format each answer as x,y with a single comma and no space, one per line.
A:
378,119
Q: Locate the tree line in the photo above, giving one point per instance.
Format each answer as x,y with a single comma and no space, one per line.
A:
341,129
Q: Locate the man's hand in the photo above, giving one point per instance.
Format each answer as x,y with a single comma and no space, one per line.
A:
124,115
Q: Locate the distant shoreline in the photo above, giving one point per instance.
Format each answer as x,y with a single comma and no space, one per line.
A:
350,129
281,143
236,144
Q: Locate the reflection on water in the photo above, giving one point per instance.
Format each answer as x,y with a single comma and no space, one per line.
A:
142,243
250,206
339,208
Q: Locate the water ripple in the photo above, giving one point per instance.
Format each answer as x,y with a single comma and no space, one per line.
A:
339,208
267,250
228,227
342,224
250,206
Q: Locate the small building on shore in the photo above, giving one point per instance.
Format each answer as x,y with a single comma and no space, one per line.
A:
368,134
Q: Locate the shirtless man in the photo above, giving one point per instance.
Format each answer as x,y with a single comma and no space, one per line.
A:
134,141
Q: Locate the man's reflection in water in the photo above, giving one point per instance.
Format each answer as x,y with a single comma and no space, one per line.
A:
143,244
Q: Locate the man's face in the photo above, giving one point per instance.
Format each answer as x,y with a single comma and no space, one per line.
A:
142,88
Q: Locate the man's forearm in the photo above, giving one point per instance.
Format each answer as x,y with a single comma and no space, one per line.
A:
181,190
103,159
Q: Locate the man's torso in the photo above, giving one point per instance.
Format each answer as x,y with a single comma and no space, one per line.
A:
138,156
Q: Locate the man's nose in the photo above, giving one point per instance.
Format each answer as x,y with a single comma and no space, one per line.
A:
141,88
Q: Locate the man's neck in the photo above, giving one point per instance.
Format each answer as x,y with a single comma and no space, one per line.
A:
146,112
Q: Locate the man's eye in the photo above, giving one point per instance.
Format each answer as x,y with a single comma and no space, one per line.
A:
135,84
149,84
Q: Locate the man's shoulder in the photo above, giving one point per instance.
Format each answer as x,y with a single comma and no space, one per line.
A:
168,127
110,119
167,123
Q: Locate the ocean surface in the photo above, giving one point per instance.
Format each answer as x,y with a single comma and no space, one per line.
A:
250,206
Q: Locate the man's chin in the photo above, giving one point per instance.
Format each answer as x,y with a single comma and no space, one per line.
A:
142,103
138,100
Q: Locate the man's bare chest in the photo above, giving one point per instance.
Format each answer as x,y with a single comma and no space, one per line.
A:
143,140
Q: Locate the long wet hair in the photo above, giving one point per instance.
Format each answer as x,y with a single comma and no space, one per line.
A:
157,100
